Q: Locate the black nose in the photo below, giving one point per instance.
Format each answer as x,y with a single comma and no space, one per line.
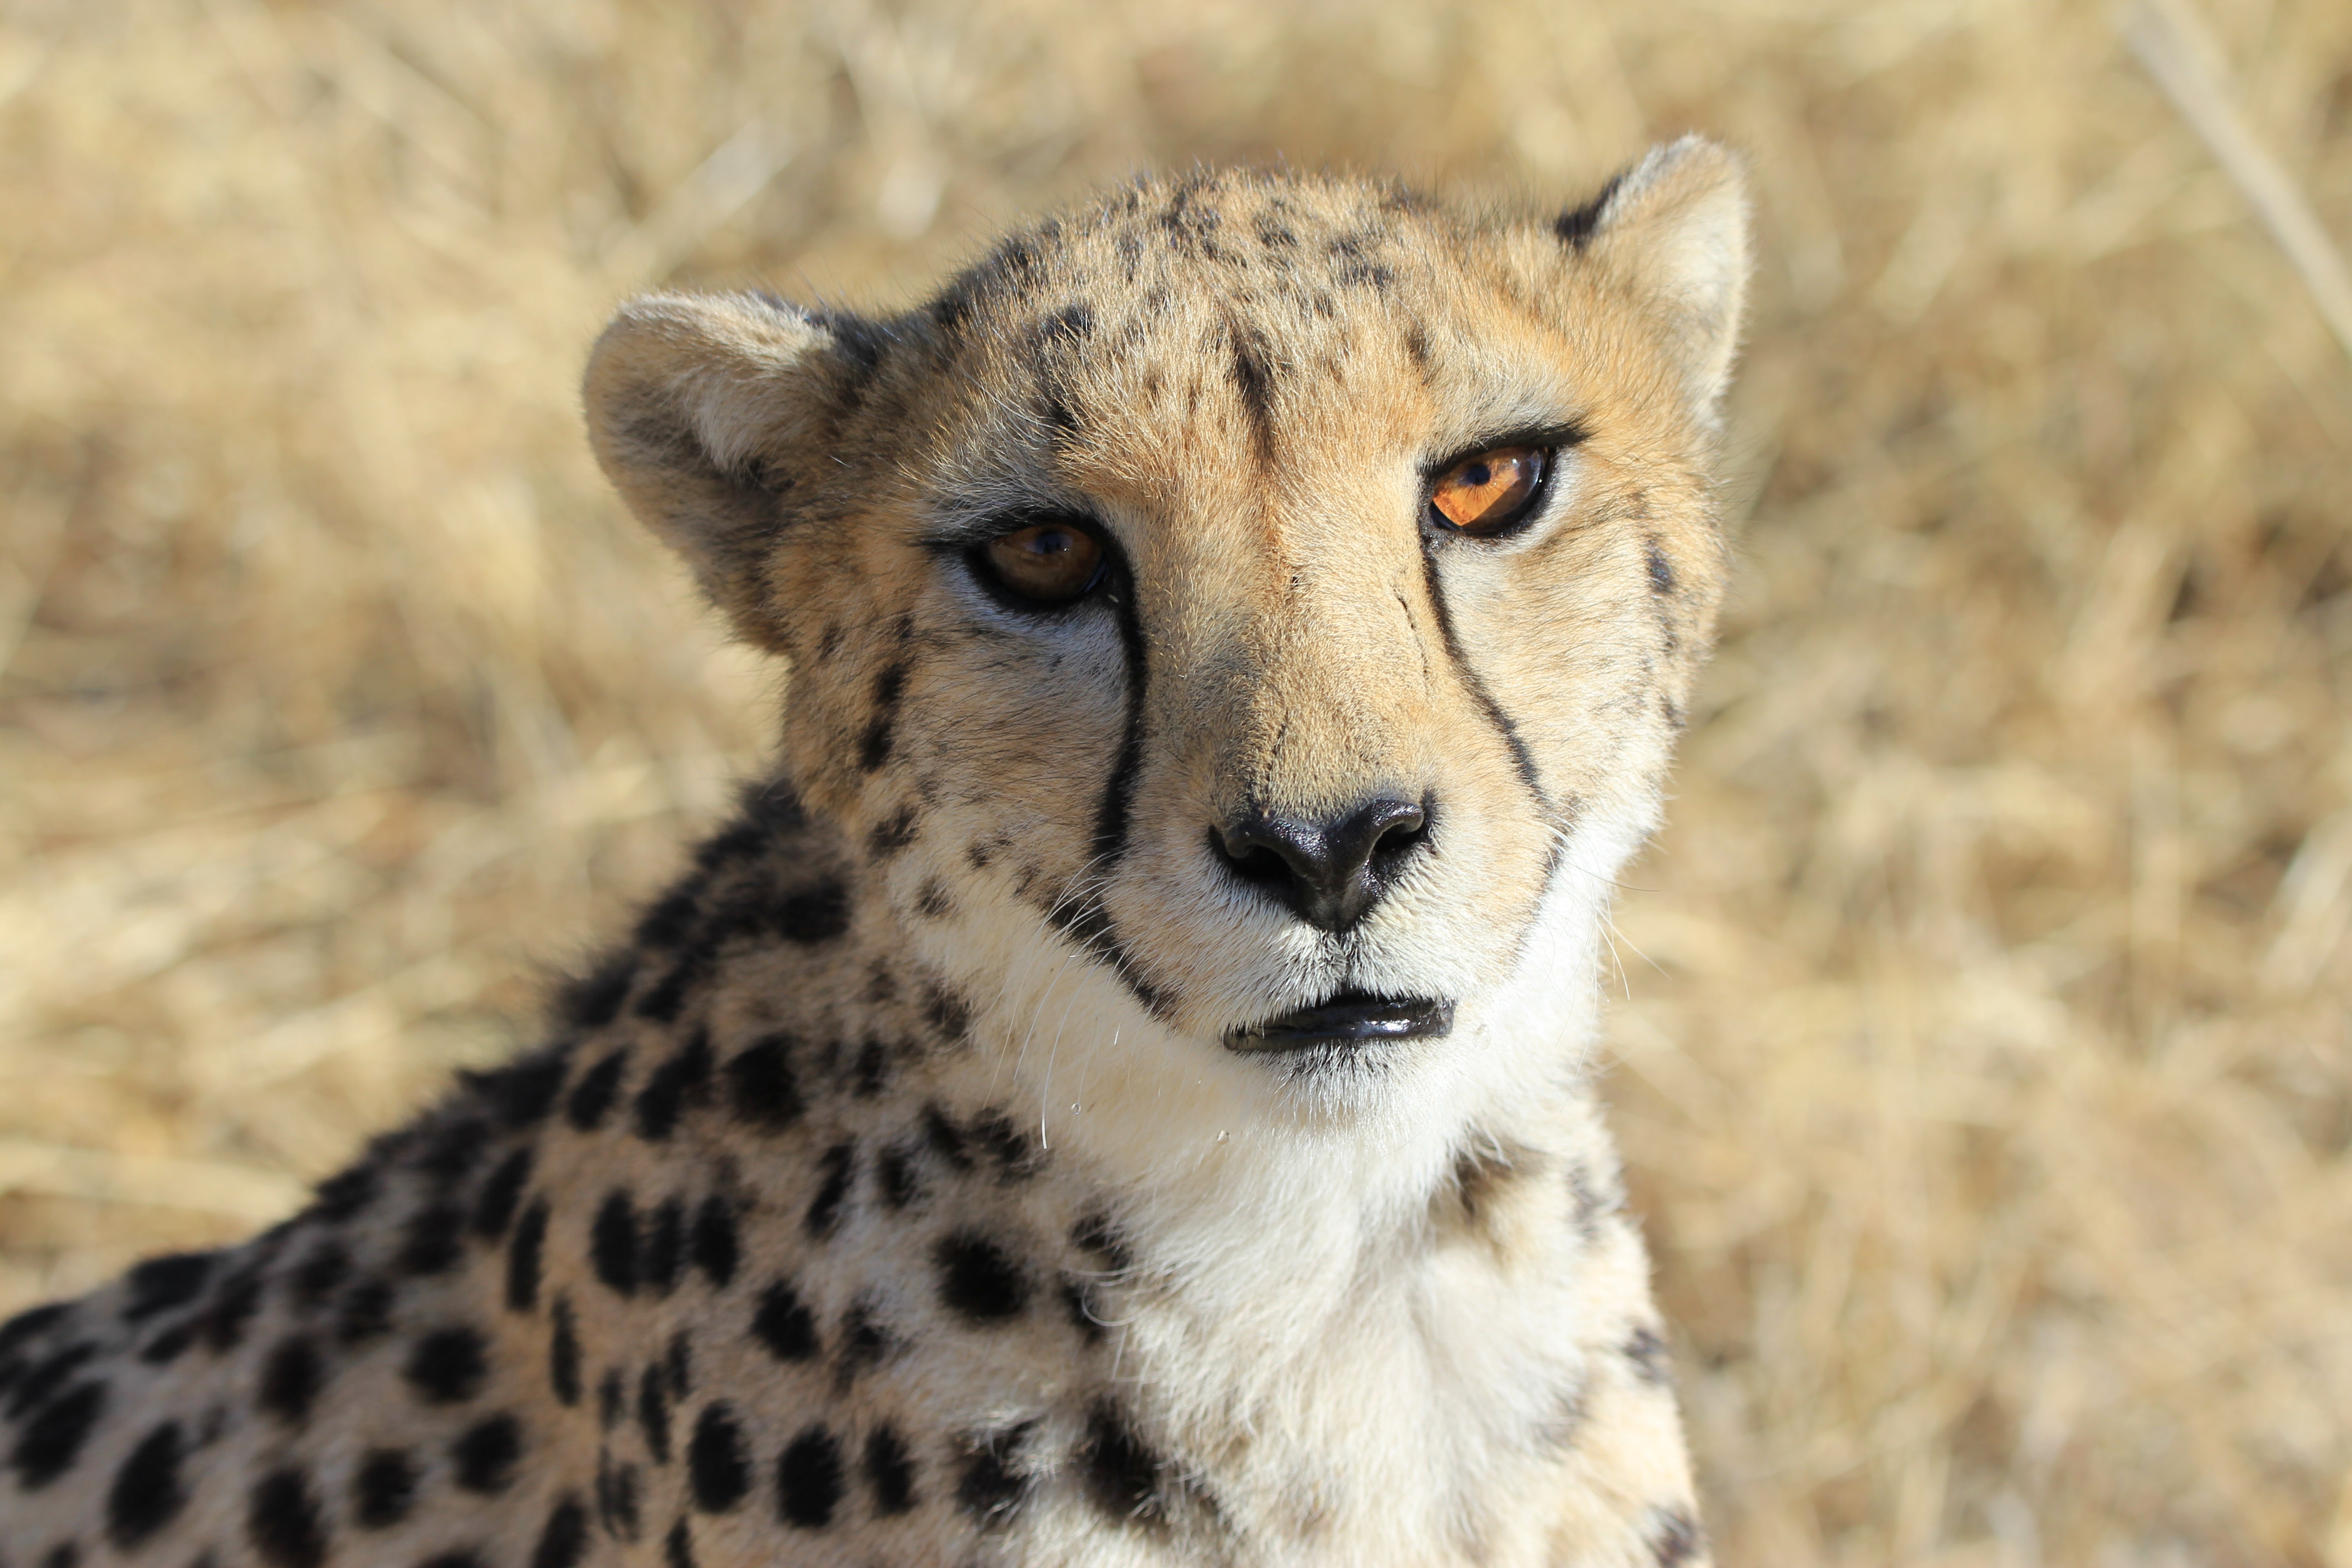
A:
1331,872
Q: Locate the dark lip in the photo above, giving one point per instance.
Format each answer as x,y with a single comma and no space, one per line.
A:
1349,1018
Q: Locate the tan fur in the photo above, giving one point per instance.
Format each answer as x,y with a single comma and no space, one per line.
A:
906,1131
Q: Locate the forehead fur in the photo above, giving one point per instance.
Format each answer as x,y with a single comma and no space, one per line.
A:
1254,306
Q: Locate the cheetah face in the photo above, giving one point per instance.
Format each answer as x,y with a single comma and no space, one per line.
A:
1249,616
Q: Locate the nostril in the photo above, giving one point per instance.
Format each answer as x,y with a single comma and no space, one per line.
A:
1398,839
1253,863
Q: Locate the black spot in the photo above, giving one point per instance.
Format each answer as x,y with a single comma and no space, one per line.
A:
526,1254
501,1195
1578,224
460,1559
282,1520
892,834
565,1541
610,1397
761,1085
872,1073
1095,1235
945,1138
894,1173
667,997
808,1480
680,1364
997,1137
453,1150
366,1313
865,1340
447,1367
594,1000
674,1084
564,1354
979,1278
617,1498
1481,1174
714,1244
715,1462
1078,1299
522,1094
816,914
234,1306
592,1096
315,1278
1590,1203
933,900
147,1493
992,1488
737,842
889,1471
612,1244
1122,1475
434,1241
678,1546
341,1197
26,1324
652,1413
51,1440
291,1377
67,1555
1647,1352
1673,1537
668,921
1662,570
889,686
837,1169
665,1247
484,1457
48,1374
782,1324
162,1283
166,1347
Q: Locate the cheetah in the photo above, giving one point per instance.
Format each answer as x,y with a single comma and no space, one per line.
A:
1120,1092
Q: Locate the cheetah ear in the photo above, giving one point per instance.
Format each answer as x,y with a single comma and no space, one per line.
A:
1675,228
697,405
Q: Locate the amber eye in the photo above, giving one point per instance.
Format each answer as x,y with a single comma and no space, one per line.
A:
1488,494
1046,562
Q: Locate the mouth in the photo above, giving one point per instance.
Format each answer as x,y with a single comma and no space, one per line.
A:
1349,1018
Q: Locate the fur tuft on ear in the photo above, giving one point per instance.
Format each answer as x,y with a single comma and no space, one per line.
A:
696,403
1674,226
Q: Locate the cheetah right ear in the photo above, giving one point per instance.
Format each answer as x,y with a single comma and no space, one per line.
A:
697,405
1673,227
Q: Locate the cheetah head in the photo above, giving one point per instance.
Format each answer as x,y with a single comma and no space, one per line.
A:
1243,621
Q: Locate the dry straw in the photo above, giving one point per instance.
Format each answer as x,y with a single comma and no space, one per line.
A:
1983,1057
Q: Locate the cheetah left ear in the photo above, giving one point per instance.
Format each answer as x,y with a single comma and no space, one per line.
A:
702,407
1675,228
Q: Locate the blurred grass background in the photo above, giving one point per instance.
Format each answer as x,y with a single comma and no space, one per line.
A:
1983,1061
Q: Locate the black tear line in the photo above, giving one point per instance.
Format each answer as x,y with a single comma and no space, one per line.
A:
1520,758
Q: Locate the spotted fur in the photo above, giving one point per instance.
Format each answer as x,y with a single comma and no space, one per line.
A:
896,1193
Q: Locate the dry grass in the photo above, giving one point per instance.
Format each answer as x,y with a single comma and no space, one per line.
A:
1987,1073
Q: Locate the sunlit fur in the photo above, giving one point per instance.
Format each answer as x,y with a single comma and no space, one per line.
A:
1352,1307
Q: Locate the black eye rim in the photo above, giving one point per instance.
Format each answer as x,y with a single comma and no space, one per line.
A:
1548,440
972,547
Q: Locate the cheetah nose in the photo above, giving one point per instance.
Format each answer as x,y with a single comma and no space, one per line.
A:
1330,873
